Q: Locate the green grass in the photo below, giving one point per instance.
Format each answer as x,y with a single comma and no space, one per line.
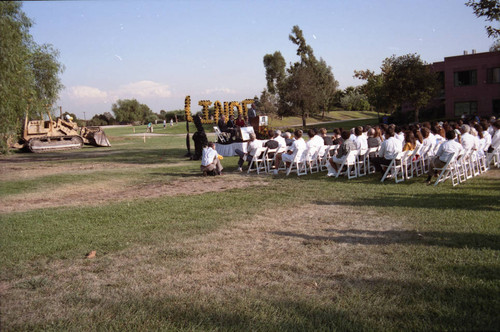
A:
437,269
329,117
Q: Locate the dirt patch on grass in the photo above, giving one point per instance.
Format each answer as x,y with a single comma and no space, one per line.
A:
116,190
315,253
29,171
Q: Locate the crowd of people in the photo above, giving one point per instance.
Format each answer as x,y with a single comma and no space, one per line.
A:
232,126
479,135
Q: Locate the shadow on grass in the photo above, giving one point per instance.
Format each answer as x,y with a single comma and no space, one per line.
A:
128,156
368,237
435,200
362,304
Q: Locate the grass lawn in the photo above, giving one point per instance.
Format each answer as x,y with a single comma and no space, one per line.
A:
177,251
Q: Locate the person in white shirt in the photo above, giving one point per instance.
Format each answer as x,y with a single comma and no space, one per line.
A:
298,146
495,140
428,141
210,160
399,134
360,140
467,140
281,141
486,135
389,149
314,142
252,147
444,153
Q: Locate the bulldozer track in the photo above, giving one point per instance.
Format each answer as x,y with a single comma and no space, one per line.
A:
48,144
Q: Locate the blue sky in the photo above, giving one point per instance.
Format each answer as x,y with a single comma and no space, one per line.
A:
160,51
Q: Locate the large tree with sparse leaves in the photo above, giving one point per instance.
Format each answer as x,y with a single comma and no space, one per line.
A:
29,73
307,87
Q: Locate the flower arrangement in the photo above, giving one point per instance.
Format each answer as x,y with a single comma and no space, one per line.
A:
206,116
234,104
217,110
227,110
244,104
187,109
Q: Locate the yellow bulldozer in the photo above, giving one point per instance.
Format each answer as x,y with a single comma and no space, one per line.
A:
61,134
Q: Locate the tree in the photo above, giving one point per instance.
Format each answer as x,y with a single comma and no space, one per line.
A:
268,103
275,71
354,100
403,79
490,9
410,80
29,78
496,46
130,110
306,87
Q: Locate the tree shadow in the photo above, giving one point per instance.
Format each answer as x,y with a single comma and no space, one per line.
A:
369,237
438,200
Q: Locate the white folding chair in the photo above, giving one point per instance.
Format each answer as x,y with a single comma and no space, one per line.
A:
258,162
395,168
446,171
373,152
299,163
313,160
361,162
323,155
416,162
350,165
222,137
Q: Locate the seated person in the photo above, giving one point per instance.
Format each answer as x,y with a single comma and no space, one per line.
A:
327,140
389,149
314,143
345,147
231,126
297,146
253,145
337,137
277,137
222,124
444,152
210,162
288,138
240,122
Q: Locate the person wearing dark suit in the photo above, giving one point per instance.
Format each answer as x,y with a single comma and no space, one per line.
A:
326,139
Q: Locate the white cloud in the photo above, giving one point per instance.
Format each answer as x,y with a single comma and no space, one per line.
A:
218,90
86,92
143,89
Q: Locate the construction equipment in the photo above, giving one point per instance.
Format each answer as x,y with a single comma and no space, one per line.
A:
62,134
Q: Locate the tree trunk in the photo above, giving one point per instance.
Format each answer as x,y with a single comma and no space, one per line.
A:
416,114
304,121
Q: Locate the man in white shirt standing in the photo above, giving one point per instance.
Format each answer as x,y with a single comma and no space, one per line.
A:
210,160
444,153
389,149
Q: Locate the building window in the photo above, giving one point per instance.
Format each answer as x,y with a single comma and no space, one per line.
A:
464,78
496,106
468,107
493,75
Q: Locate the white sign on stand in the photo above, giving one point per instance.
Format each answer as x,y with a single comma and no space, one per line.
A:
263,121
245,133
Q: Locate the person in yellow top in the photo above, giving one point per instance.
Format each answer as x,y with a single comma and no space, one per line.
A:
410,141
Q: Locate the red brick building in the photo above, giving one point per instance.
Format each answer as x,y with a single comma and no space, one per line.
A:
471,83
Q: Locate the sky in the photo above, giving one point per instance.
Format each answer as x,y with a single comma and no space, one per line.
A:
158,52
